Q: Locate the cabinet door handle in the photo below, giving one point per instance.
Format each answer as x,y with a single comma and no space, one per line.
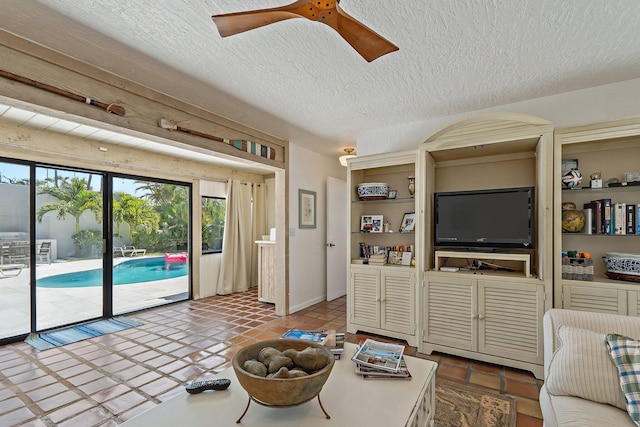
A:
481,316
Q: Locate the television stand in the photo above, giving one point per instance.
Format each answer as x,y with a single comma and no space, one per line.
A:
442,256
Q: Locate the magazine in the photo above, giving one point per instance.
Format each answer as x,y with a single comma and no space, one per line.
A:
335,342
314,336
387,377
379,355
369,372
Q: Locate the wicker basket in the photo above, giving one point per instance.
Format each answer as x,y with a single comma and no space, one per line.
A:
577,269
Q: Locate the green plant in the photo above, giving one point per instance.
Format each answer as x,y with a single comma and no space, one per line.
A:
88,243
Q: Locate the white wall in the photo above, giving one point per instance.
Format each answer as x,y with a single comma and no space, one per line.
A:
602,103
307,252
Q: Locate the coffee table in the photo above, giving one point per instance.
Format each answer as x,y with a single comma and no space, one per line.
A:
347,398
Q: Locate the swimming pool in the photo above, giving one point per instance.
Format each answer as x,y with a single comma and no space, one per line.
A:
131,271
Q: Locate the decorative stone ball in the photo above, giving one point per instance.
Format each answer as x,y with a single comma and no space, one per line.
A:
571,179
573,221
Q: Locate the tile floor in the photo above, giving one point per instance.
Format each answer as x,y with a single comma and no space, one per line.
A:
107,380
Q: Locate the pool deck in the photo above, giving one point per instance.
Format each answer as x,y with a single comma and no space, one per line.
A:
57,306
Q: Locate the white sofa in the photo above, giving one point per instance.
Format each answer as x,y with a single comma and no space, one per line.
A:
580,386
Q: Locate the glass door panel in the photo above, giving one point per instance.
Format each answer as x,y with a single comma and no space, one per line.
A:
69,247
150,243
15,289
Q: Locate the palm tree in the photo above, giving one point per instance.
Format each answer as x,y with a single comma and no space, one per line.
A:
138,214
74,198
172,204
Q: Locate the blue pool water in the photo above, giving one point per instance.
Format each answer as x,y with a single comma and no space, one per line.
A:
127,272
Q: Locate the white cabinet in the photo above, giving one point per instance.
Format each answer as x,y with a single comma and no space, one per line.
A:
381,300
485,314
382,297
266,271
615,298
491,318
611,149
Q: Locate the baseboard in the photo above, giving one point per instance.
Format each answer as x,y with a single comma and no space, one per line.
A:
309,303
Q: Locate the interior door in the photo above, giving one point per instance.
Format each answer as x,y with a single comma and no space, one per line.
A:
336,238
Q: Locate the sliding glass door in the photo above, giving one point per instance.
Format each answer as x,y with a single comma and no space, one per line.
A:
69,246
15,235
151,224
77,245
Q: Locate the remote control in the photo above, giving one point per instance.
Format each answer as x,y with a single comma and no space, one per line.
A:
200,386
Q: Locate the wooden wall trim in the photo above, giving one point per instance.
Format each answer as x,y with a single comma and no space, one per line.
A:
144,107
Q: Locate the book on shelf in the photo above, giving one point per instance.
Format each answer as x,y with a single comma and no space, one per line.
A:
380,355
378,259
631,218
607,227
619,218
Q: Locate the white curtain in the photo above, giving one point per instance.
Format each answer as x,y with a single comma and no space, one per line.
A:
244,225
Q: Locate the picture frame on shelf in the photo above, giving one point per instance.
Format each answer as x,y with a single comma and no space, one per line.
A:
569,164
395,257
408,222
371,223
406,258
392,194
306,208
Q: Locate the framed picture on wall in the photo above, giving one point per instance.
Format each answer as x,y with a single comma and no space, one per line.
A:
306,209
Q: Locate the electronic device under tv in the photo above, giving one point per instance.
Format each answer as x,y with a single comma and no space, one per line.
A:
485,219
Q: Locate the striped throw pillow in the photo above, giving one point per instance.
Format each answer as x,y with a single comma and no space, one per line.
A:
581,367
625,354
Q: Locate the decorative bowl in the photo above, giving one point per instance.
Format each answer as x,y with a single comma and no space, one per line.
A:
623,263
281,391
373,190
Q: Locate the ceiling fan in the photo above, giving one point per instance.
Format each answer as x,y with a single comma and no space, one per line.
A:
364,40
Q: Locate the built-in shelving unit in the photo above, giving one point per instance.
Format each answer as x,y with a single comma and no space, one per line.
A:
612,149
489,315
382,298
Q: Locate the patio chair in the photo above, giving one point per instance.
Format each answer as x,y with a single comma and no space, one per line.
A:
19,253
44,252
11,268
129,250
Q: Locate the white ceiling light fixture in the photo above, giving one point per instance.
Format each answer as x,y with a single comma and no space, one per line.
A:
343,158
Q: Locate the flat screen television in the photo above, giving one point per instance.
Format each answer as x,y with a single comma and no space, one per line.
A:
490,219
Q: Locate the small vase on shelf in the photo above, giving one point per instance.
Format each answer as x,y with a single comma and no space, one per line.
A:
412,185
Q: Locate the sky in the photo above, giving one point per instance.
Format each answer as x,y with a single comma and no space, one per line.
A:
14,171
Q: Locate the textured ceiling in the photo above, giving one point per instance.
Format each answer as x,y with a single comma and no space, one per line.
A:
299,80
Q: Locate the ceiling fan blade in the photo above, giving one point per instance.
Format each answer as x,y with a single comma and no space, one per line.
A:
363,39
234,23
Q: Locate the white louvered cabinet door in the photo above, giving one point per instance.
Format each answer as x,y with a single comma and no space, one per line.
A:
365,297
509,319
593,298
397,301
450,314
